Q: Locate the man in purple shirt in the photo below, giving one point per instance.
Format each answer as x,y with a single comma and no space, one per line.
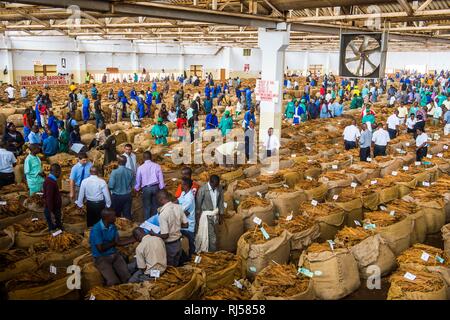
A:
150,180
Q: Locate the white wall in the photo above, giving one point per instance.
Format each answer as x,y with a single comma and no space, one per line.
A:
130,56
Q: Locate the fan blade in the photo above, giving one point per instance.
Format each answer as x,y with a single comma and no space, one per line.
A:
371,64
352,59
364,44
372,50
359,67
352,46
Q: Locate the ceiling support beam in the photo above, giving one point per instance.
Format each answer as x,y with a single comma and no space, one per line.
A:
405,5
424,5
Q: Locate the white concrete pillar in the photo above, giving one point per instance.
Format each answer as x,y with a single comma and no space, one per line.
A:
227,62
135,59
181,67
306,64
80,71
273,45
7,60
327,64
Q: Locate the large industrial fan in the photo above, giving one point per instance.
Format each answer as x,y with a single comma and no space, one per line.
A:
363,55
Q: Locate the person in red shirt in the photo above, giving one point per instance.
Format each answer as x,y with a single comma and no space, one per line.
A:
186,172
181,125
43,113
52,198
322,91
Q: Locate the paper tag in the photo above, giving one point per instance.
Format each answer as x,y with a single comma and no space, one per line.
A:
257,220
237,201
265,234
293,155
197,259
425,256
394,173
155,273
53,269
308,148
309,178
405,168
407,144
417,163
225,205
318,273
398,150
331,243
439,155
92,297
56,233
334,167
2,203
353,184
39,193
409,276
252,269
289,217
369,159
392,213
310,161
335,197
305,272
445,147
383,208
314,202
429,156
425,184
439,259
238,284
285,186
259,194
34,219
357,222
373,182
369,226
174,179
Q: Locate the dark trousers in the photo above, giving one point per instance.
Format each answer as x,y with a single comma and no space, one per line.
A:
121,203
410,130
58,224
6,179
421,153
98,120
349,145
191,238
93,212
379,151
269,153
392,133
149,200
173,252
113,269
364,153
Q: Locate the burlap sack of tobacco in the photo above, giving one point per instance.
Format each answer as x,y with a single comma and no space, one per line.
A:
55,290
313,173
318,193
87,128
422,176
387,167
301,240
419,232
434,214
373,251
229,232
426,286
291,178
339,275
17,119
239,195
330,224
388,194
256,257
232,176
143,140
398,235
62,159
90,276
24,240
78,227
404,188
7,239
131,133
446,236
266,214
353,210
252,171
19,174
286,203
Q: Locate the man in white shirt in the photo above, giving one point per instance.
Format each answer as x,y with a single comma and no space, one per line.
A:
446,103
410,122
271,143
351,135
380,138
402,113
328,97
7,164
131,158
393,123
171,220
10,91
96,192
23,93
150,255
421,144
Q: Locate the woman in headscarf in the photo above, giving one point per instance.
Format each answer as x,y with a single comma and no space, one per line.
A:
290,109
226,123
63,138
13,139
160,132
33,170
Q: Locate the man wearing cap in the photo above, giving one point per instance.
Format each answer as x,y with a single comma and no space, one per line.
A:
160,132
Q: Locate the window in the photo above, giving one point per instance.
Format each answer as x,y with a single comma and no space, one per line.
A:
247,52
196,70
45,70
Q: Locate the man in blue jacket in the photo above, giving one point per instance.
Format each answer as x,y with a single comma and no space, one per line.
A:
211,120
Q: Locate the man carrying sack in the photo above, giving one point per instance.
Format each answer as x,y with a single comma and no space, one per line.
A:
209,209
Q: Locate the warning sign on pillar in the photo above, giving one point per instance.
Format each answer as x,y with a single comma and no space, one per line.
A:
246,67
267,91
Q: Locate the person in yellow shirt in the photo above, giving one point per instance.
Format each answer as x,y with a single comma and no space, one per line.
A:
72,86
356,91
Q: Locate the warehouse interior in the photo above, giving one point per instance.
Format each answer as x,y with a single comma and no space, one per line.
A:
266,105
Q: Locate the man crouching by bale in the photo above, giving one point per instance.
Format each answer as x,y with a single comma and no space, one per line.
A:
104,238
